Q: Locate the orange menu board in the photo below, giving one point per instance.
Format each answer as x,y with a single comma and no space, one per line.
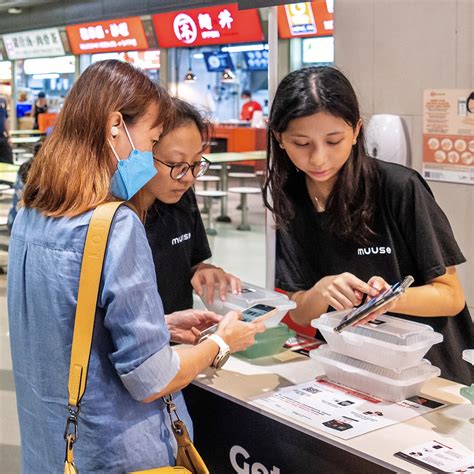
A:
448,135
304,19
124,34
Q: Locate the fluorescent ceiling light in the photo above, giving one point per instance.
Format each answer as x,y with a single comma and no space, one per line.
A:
244,47
45,76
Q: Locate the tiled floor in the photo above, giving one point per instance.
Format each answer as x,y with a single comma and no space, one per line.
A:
238,252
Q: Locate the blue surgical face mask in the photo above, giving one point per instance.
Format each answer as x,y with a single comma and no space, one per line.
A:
133,173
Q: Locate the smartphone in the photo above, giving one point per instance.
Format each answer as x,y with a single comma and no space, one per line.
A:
260,312
374,304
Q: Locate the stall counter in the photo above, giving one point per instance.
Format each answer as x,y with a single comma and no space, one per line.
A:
219,404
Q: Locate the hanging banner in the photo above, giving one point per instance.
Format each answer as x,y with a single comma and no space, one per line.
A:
448,135
303,19
34,44
223,24
124,34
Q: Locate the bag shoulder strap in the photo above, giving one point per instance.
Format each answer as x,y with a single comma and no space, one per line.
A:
91,271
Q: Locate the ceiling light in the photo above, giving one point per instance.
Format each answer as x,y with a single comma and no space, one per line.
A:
245,47
228,76
190,76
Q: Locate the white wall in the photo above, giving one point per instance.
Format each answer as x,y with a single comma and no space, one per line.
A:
393,49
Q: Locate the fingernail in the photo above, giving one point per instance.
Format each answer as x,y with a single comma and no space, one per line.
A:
377,285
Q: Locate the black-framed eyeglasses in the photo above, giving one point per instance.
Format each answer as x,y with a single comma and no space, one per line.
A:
179,170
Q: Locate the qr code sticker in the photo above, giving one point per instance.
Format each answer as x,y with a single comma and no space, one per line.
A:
312,390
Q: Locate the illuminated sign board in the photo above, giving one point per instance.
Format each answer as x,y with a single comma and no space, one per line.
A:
305,19
34,44
124,34
223,24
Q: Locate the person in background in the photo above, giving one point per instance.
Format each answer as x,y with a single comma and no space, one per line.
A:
174,226
20,181
349,224
40,106
101,151
6,155
249,106
470,103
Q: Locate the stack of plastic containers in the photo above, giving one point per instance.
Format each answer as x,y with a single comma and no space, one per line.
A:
383,358
270,341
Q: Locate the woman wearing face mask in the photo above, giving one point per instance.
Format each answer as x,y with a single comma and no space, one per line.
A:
173,224
100,150
348,224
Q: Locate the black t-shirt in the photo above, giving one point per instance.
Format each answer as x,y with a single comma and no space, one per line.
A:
413,238
178,241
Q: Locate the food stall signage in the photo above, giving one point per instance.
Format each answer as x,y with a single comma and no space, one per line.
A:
306,19
211,25
34,44
123,34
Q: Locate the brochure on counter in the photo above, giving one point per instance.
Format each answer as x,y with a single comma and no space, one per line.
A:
439,457
343,412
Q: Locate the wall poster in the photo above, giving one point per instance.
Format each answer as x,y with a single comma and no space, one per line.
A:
448,135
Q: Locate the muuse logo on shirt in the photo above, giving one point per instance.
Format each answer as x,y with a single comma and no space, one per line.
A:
374,251
181,238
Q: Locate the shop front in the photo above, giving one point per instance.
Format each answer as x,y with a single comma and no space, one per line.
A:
40,66
124,39
216,53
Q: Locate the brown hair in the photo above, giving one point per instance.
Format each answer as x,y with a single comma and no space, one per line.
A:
73,169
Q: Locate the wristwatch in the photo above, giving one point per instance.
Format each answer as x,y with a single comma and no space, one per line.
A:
224,350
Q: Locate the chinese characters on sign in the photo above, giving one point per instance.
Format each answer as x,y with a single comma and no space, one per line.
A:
115,35
448,135
212,25
306,19
34,44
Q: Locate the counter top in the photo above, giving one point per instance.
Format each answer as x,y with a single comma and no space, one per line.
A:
241,380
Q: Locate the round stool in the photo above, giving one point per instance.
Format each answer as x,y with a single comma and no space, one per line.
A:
205,180
241,176
6,191
208,199
209,179
243,191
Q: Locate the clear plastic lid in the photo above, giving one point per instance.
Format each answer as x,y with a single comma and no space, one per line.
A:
251,295
419,372
385,328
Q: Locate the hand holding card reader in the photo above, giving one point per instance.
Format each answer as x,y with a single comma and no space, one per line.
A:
260,312
359,313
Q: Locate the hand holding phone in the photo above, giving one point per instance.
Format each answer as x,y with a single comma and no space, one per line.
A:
258,312
359,313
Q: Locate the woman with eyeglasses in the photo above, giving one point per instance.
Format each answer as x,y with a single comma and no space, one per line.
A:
174,226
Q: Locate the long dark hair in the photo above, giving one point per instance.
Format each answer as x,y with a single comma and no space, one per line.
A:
351,203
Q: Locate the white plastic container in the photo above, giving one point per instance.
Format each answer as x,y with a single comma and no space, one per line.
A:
468,355
388,384
250,296
389,342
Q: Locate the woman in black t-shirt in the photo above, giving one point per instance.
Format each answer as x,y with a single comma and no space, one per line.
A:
348,224
173,224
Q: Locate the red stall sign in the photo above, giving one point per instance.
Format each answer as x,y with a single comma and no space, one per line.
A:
124,34
305,19
221,24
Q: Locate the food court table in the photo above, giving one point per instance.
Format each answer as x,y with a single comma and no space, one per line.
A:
234,436
8,173
231,157
26,132
25,140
